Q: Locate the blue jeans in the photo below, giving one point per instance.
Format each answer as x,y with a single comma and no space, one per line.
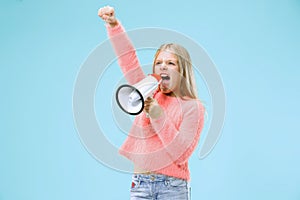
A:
158,187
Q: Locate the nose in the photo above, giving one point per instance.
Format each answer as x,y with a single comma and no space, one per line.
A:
163,66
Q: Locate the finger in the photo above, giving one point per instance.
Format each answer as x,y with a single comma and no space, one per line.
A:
105,17
106,10
110,10
147,103
100,12
149,99
146,109
110,19
147,106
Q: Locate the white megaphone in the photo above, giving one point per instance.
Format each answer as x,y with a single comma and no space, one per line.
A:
130,98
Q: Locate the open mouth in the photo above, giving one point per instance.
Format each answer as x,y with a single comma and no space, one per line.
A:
165,77
165,81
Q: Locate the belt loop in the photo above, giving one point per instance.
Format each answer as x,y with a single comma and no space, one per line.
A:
152,177
166,182
139,179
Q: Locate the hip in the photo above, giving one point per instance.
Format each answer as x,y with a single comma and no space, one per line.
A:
158,186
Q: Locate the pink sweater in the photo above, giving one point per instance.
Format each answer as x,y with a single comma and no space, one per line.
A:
162,145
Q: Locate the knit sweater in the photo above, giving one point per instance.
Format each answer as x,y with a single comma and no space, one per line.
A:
161,145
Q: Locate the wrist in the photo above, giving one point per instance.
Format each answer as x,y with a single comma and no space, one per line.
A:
113,24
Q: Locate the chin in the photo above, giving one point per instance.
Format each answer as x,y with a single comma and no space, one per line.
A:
166,91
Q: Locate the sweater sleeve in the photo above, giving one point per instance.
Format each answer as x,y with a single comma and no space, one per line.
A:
180,142
126,54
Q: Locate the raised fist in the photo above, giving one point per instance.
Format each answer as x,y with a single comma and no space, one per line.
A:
107,13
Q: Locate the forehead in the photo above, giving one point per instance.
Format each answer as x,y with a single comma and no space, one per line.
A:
165,55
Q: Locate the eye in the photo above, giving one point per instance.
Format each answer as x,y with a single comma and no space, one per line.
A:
157,63
171,63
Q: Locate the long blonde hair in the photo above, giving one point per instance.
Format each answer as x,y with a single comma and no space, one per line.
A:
188,85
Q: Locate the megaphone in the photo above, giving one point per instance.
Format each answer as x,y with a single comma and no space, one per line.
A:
130,98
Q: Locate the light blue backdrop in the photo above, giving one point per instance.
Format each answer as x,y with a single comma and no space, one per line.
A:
255,46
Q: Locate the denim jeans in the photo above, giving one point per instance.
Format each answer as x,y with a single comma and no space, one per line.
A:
158,187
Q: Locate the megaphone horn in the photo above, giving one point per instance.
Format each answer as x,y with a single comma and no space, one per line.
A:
130,98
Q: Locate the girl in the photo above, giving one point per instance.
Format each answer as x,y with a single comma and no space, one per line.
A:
164,136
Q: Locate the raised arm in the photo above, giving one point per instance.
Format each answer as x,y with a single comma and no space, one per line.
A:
124,49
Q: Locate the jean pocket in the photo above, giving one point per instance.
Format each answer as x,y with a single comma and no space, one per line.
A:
135,182
176,182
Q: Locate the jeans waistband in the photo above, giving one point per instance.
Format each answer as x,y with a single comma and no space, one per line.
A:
152,177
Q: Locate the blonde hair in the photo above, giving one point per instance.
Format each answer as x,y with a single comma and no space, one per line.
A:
188,85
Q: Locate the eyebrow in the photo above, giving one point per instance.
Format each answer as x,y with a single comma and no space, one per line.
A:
175,60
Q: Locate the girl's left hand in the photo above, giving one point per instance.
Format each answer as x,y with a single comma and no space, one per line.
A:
152,107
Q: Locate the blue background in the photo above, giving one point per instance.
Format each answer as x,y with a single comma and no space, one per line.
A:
255,46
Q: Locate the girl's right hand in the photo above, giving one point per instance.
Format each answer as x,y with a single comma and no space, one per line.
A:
107,13
152,108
